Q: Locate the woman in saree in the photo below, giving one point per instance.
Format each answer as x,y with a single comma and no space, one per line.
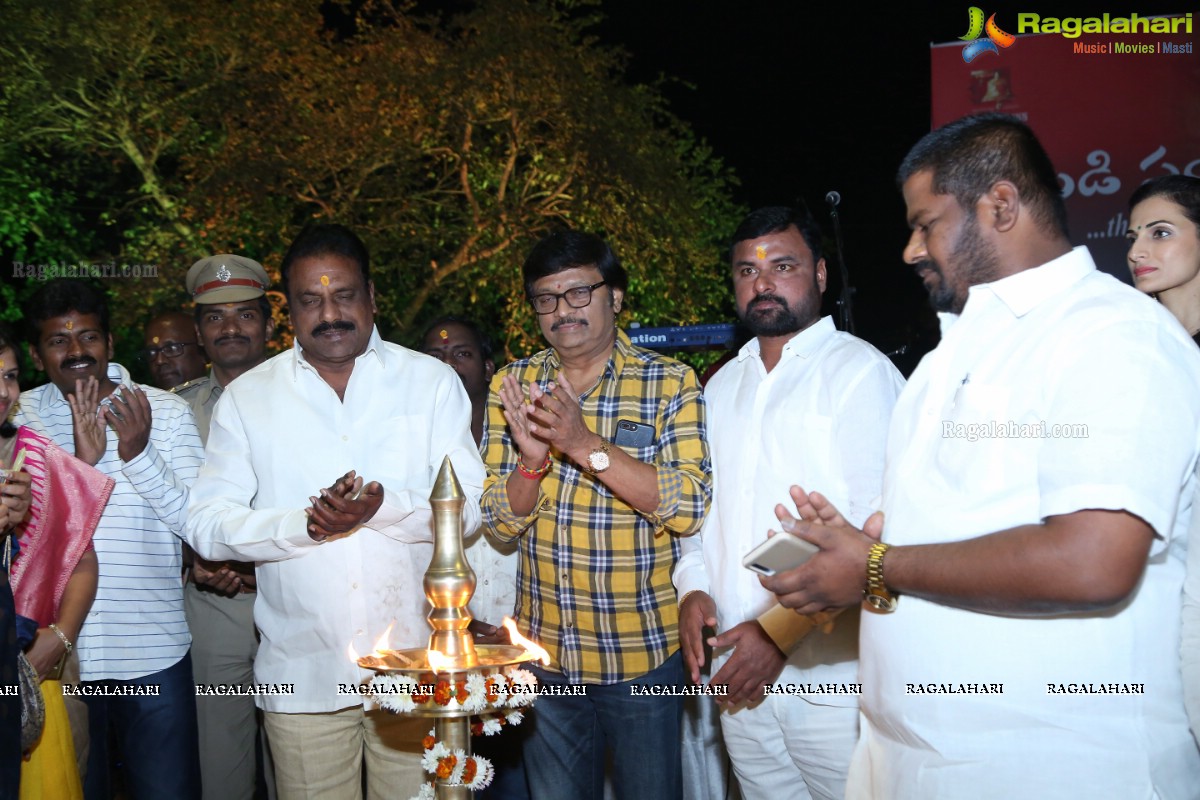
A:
53,576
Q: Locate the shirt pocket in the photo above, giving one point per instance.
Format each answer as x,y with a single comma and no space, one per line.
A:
645,453
987,440
401,444
799,438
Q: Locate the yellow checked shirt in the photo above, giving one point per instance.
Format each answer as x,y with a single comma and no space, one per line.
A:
594,583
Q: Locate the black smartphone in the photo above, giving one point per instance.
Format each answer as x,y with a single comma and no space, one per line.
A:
634,434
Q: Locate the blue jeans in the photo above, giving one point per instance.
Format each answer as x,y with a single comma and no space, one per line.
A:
156,736
506,752
565,752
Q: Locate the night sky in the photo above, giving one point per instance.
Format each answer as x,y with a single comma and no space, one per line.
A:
802,98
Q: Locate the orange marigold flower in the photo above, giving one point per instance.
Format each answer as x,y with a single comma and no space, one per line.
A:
460,691
446,766
469,771
441,695
428,742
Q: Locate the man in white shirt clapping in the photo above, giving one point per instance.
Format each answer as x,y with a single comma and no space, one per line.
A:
370,422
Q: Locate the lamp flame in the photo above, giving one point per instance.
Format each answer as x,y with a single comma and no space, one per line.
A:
439,662
381,644
531,647
351,653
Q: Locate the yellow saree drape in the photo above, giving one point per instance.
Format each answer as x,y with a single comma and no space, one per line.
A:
50,771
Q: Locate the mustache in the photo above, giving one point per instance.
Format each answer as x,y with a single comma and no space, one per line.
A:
567,321
71,362
921,266
337,325
238,338
763,299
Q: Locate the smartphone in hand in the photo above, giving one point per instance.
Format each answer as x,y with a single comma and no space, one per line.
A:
781,552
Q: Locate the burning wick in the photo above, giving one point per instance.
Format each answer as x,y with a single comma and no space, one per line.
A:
381,644
439,662
531,647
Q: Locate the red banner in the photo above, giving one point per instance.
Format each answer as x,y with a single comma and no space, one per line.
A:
1112,108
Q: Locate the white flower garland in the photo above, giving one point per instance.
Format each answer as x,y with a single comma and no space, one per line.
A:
511,688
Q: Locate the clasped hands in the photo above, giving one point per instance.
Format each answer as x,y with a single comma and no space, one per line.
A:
127,412
551,418
340,509
14,499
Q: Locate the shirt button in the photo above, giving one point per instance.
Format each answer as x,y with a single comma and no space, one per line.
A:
360,633
345,438
354,586
566,576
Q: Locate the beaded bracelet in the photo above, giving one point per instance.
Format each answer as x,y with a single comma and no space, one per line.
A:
534,474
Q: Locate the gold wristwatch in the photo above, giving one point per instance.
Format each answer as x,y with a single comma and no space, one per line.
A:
598,460
876,591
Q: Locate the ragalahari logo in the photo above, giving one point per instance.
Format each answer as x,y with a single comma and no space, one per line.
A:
996,38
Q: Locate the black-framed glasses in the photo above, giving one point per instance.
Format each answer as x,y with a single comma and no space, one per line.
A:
577,297
172,350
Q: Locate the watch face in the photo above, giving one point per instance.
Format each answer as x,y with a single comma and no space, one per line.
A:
881,603
598,460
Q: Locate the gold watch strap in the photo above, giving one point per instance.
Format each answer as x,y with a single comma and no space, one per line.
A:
876,592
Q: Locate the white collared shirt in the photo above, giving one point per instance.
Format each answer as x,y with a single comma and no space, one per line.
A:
136,625
818,419
280,434
1061,344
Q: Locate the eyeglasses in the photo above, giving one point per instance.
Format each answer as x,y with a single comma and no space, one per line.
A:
578,297
172,350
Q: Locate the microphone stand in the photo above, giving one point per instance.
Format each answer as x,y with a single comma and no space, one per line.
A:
846,300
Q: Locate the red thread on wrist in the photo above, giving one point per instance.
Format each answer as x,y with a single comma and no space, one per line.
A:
534,474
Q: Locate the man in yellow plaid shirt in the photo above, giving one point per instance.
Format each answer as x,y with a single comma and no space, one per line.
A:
598,460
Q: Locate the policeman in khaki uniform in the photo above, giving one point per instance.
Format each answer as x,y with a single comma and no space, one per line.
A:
233,323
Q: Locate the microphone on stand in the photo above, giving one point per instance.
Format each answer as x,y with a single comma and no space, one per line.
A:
846,300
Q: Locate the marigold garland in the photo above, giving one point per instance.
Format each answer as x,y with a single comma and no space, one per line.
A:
511,689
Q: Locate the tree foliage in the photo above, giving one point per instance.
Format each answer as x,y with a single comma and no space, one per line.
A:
158,132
